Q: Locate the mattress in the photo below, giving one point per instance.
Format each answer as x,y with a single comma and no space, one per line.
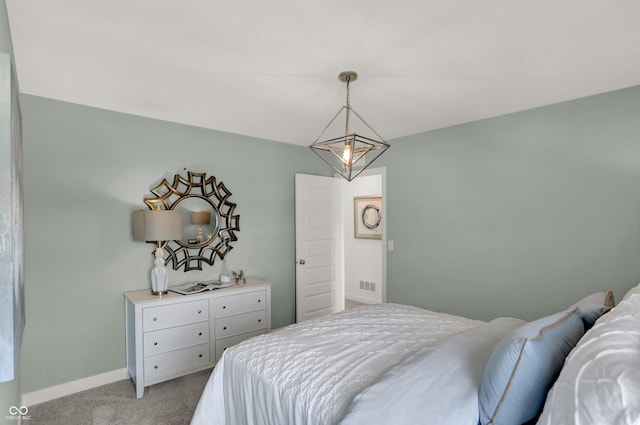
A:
311,372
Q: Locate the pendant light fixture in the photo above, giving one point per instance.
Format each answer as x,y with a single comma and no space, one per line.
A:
349,154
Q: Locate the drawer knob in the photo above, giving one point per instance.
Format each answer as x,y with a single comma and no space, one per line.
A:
155,342
224,328
199,355
199,333
155,319
259,320
259,300
199,311
155,367
224,306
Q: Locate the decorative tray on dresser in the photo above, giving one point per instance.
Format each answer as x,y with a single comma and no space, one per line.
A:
173,335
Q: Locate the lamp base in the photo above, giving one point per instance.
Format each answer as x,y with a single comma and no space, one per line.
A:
159,276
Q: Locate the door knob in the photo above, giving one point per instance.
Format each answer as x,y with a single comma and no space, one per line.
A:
302,262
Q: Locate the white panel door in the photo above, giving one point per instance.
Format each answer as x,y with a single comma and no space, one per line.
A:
318,246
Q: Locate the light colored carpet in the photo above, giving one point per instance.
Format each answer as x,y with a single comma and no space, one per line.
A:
168,403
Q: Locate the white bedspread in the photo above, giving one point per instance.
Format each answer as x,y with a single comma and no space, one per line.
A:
438,388
310,372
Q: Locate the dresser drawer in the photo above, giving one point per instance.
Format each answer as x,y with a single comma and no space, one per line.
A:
166,316
240,303
156,342
234,325
161,365
223,344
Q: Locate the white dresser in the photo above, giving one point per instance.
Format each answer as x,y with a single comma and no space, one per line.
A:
173,335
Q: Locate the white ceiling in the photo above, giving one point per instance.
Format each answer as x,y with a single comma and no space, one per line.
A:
269,68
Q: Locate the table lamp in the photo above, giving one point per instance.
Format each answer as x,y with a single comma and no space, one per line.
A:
158,226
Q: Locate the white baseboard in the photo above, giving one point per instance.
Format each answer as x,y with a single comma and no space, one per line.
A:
57,391
360,299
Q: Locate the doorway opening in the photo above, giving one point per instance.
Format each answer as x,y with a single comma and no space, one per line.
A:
331,263
363,258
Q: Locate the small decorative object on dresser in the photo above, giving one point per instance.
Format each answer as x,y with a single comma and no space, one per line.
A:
197,287
225,277
238,277
176,335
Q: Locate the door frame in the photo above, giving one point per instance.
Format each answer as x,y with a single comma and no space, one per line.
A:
382,172
340,289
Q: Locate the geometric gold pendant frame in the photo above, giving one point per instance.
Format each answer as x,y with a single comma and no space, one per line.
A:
349,153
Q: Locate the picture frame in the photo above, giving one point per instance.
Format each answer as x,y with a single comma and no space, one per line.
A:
367,215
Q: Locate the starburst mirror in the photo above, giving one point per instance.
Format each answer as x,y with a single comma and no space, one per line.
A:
208,220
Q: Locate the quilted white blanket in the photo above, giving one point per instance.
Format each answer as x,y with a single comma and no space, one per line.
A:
310,372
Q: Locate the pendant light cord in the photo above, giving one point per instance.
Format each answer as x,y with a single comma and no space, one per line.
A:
348,107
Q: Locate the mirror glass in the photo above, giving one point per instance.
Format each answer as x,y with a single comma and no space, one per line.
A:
209,222
199,220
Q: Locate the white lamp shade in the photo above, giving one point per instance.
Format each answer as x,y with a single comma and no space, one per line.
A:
200,217
157,225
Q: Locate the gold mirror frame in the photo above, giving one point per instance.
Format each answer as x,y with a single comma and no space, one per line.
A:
189,254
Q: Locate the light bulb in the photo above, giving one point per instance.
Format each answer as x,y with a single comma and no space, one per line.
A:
346,154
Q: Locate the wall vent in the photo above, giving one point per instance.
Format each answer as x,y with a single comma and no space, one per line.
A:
367,285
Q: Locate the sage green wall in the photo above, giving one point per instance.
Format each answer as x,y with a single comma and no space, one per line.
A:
519,215
9,391
86,170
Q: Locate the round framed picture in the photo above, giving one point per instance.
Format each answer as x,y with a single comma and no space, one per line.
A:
367,214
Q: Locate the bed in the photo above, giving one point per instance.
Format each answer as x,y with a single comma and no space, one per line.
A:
397,364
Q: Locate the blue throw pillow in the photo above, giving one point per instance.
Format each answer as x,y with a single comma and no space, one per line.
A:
593,306
524,366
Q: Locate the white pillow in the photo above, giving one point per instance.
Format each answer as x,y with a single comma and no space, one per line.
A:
632,291
600,381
